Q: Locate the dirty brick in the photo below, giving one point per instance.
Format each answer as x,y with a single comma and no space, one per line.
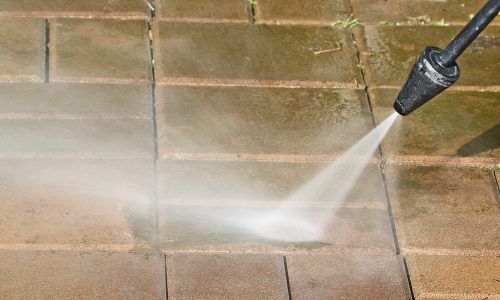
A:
98,275
276,121
458,126
22,50
454,277
226,276
347,276
217,11
444,209
249,54
99,50
319,12
389,52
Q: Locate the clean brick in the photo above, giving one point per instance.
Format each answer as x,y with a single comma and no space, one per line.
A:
444,209
415,12
246,120
324,12
389,52
237,183
87,8
22,50
226,276
81,275
99,50
347,277
454,277
461,126
203,228
214,11
239,53
54,204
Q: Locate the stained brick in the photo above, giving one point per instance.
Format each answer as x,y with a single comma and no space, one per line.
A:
203,228
444,209
454,277
99,50
77,275
460,126
415,12
87,8
61,204
347,276
22,51
389,52
241,53
301,12
226,276
245,120
253,183
215,11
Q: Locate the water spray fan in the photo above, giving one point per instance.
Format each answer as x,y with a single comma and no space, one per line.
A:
436,69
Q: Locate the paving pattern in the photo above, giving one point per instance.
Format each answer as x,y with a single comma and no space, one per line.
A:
131,130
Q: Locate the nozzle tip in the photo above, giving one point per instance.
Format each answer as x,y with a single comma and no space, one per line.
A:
399,109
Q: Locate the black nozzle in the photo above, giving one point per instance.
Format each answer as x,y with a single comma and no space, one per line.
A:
427,79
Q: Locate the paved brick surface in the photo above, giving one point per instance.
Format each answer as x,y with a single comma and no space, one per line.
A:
454,277
77,275
217,11
456,126
389,52
22,51
245,120
226,276
319,12
415,11
347,277
74,101
99,50
444,209
87,8
203,228
241,53
258,184
60,204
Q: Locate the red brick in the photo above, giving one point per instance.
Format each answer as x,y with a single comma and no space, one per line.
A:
99,50
81,275
454,277
347,276
214,11
226,276
22,51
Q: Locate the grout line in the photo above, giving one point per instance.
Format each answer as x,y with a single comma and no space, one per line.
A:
165,271
408,278
287,279
498,187
47,49
250,11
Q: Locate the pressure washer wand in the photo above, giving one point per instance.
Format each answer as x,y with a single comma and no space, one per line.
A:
435,69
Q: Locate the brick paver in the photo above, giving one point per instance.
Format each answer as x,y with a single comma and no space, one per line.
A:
254,54
444,209
99,50
389,52
87,8
81,274
219,11
317,12
347,277
454,277
226,276
258,183
22,50
456,126
245,120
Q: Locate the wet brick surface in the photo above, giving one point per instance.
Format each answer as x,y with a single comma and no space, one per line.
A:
22,50
217,11
81,274
226,276
347,276
241,53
